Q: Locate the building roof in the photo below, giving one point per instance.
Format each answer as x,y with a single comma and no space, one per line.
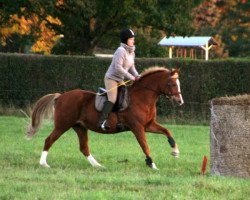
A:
187,41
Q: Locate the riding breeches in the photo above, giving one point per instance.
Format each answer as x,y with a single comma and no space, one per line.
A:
112,88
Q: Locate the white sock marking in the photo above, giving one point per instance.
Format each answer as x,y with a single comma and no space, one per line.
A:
93,161
43,159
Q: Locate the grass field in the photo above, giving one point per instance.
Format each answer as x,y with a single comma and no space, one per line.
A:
125,175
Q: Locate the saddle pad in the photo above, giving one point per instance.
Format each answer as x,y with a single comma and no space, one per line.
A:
99,102
121,104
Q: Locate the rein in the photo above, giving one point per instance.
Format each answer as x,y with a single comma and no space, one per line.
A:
146,87
100,94
118,85
169,85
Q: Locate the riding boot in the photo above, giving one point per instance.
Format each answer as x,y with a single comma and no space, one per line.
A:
107,108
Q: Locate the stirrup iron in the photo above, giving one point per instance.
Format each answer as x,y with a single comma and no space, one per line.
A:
104,125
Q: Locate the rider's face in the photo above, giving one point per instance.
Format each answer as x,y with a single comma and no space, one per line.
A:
131,42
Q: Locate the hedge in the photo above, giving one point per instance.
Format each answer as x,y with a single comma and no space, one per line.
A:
25,78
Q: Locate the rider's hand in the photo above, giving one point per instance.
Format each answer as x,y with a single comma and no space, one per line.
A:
137,78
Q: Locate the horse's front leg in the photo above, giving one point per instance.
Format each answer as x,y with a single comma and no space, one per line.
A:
154,127
141,138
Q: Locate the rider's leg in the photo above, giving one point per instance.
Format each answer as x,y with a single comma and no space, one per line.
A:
111,87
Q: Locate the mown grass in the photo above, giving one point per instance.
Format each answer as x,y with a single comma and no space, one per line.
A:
125,175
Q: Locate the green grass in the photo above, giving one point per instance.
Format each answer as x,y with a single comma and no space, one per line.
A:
125,175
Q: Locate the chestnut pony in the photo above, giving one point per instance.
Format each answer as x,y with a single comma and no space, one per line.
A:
76,109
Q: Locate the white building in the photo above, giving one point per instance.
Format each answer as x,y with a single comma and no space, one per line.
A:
204,42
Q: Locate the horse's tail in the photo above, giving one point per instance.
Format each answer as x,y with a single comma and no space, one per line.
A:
43,107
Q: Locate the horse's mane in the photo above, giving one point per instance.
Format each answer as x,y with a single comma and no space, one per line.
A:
152,70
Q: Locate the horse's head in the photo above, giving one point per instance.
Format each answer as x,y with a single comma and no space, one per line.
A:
162,81
173,90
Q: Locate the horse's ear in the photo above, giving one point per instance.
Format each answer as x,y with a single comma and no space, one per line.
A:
174,71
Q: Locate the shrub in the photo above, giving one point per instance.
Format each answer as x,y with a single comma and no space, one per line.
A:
25,78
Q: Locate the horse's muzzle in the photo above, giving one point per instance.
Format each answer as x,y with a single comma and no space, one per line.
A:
178,100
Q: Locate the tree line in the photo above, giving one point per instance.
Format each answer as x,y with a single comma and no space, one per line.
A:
81,26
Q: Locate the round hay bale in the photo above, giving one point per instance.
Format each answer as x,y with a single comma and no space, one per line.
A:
230,136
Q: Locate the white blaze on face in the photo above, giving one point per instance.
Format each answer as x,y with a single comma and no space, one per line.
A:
179,90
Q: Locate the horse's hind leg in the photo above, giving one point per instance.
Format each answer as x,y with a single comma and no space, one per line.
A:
82,134
55,134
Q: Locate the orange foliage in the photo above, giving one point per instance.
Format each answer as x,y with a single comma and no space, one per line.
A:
59,3
22,26
18,25
47,37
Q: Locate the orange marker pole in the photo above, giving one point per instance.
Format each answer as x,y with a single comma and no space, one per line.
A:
204,165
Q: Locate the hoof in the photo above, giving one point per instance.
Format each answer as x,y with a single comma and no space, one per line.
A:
98,166
45,165
150,163
93,162
153,166
175,154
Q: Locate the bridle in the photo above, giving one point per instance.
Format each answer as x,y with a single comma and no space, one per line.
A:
169,95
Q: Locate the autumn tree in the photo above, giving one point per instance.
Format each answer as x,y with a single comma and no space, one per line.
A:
28,35
235,28
227,21
87,24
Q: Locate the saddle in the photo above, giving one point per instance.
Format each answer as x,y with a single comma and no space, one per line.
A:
121,103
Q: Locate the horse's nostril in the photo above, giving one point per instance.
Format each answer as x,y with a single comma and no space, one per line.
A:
181,103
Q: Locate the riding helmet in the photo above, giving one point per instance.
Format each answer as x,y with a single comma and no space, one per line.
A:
126,34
